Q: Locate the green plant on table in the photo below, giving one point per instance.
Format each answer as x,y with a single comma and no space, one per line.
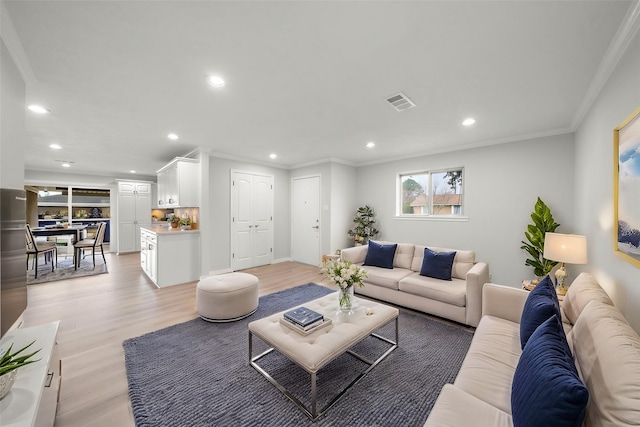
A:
12,361
543,222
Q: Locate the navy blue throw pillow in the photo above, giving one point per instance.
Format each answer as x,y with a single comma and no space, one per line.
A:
546,389
379,255
541,303
437,264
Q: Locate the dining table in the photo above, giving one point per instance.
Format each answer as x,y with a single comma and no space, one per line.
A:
72,230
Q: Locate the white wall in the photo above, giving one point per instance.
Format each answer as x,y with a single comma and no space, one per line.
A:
594,183
12,134
218,233
343,205
502,183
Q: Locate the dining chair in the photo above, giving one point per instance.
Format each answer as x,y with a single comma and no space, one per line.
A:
36,248
92,244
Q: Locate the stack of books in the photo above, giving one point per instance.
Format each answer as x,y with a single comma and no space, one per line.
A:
304,320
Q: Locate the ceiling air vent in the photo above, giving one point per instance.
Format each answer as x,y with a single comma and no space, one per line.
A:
401,102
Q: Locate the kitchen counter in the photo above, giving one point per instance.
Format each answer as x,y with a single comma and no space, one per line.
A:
170,256
159,229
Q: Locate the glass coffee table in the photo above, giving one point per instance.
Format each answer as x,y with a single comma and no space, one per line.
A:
314,351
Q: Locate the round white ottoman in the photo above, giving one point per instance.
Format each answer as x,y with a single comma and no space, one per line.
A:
227,297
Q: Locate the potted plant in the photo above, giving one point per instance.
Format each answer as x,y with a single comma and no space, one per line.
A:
543,222
364,229
9,365
185,223
175,222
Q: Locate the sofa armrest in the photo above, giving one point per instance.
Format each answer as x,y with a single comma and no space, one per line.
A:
356,254
476,278
504,302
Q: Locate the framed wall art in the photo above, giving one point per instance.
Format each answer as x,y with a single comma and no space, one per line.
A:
626,149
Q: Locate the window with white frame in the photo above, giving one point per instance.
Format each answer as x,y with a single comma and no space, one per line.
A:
431,193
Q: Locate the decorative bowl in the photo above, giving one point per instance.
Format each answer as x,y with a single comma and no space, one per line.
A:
6,382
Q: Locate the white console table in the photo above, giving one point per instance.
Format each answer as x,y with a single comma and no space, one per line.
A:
33,399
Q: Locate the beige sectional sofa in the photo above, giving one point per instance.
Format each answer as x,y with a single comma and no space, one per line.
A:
459,299
605,348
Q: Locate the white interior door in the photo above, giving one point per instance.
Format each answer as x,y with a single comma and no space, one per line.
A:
252,219
305,220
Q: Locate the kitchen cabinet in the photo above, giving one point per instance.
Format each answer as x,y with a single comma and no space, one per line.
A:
134,211
33,399
178,184
148,253
170,256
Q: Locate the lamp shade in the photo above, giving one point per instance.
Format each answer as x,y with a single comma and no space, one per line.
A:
568,248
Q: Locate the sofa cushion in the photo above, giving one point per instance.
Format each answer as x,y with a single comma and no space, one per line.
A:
541,303
462,262
379,255
453,292
387,278
404,255
546,388
455,407
607,354
488,367
437,264
583,290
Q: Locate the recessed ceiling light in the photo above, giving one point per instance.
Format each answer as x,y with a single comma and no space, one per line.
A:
172,136
38,109
132,171
371,144
66,165
272,156
469,121
55,146
215,81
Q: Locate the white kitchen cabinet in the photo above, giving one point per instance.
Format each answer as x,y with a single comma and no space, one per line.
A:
169,256
178,184
33,399
148,253
134,211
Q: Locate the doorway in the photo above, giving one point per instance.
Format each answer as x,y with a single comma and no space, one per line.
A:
251,220
305,220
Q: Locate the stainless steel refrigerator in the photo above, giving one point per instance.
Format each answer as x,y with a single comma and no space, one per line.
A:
13,257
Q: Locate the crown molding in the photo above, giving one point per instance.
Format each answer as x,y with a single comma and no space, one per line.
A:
14,46
618,46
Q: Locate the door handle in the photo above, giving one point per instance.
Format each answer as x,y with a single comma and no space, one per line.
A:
257,225
316,227
251,226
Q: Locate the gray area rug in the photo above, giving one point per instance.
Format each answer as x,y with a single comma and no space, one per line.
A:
198,374
65,270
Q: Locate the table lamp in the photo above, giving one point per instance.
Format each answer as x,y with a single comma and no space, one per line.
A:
564,248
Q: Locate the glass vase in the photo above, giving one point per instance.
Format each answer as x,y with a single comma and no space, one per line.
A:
345,298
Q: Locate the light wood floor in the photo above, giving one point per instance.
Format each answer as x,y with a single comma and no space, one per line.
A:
97,313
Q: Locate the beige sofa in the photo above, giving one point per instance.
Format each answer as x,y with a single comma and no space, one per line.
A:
606,351
459,299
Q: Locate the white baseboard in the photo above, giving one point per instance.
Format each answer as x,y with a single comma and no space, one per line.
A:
279,260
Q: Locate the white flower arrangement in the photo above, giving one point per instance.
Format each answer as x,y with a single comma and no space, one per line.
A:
345,274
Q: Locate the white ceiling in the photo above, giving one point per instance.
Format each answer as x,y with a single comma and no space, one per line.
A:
305,80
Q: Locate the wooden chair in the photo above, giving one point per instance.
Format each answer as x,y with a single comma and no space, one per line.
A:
36,248
92,244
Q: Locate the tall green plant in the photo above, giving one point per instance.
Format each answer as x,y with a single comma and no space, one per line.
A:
364,229
543,222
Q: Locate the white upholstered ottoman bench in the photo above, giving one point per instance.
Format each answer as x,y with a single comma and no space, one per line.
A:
227,297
